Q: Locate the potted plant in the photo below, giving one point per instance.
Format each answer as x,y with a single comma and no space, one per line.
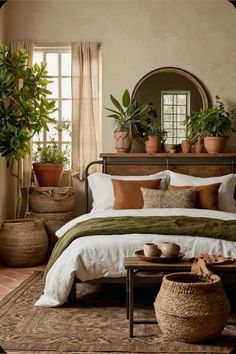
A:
213,124
49,164
24,107
151,131
24,110
124,115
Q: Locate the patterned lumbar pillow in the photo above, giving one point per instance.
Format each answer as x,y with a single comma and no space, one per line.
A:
168,199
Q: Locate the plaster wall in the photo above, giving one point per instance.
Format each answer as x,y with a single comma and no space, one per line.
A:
7,182
2,23
137,36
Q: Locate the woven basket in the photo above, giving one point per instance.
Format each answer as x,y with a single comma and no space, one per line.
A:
53,222
51,199
191,308
23,242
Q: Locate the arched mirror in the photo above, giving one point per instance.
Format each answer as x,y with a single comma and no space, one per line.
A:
174,93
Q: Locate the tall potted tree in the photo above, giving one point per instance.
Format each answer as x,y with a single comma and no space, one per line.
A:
124,115
24,111
24,107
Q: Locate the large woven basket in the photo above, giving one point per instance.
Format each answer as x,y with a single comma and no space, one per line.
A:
53,222
51,199
191,308
23,243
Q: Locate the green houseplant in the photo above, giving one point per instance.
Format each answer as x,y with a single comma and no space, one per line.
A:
150,130
24,107
24,111
213,124
124,115
49,161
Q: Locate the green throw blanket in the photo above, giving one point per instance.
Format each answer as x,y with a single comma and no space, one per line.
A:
163,225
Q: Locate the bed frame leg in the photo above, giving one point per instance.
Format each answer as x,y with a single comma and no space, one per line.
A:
72,295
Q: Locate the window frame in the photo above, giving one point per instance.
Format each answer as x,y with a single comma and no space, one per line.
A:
59,51
174,136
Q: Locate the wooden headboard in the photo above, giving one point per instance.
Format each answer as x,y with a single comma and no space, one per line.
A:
199,165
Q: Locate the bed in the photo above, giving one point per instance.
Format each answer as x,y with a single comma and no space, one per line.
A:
99,250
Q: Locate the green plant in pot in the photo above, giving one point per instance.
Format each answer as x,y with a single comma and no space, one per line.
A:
24,108
214,124
151,131
49,161
24,111
124,115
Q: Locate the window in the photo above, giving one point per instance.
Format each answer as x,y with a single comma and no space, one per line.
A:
175,105
59,72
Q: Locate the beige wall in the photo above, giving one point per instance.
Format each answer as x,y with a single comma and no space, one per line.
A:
2,23
7,182
137,37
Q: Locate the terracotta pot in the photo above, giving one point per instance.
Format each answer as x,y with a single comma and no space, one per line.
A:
123,141
215,144
153,144
48,174
185,146
198,146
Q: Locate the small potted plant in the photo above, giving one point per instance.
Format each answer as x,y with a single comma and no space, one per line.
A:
151,131
124,115
214,124
49,164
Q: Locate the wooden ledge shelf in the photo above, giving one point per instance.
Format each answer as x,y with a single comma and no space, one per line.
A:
202,165
166,155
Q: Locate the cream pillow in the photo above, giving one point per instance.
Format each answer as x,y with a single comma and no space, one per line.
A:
168,199
102,190
226,190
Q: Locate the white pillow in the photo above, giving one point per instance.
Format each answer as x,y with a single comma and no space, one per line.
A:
102,188
226,190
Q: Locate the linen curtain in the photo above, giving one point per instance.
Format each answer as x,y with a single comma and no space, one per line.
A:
86,105
26,163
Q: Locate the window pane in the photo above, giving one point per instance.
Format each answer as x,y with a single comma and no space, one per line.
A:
38,57
66,110
53,87
52,64
168,99
66,64
168,109
52,133
181,109
66,88
66,134
182,99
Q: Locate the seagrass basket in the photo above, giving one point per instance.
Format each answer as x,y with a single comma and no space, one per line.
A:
23,242
191,308
52,223
51,199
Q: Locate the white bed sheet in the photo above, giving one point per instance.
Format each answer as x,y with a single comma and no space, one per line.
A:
93,257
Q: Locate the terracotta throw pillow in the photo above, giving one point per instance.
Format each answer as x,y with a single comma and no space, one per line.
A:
206,196
168,199
128,194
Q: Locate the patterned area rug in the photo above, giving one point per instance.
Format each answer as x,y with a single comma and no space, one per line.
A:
97,324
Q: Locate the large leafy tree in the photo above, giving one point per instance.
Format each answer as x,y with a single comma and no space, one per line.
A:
24,106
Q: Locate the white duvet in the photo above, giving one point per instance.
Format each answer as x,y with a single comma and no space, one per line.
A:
97,256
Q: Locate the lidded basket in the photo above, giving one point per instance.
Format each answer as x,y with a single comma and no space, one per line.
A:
191,308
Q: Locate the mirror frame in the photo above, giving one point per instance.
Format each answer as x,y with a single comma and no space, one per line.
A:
197,83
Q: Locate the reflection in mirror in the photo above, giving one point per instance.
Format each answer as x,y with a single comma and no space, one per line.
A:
174,93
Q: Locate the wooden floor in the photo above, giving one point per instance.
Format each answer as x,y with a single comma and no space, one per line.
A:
10,278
